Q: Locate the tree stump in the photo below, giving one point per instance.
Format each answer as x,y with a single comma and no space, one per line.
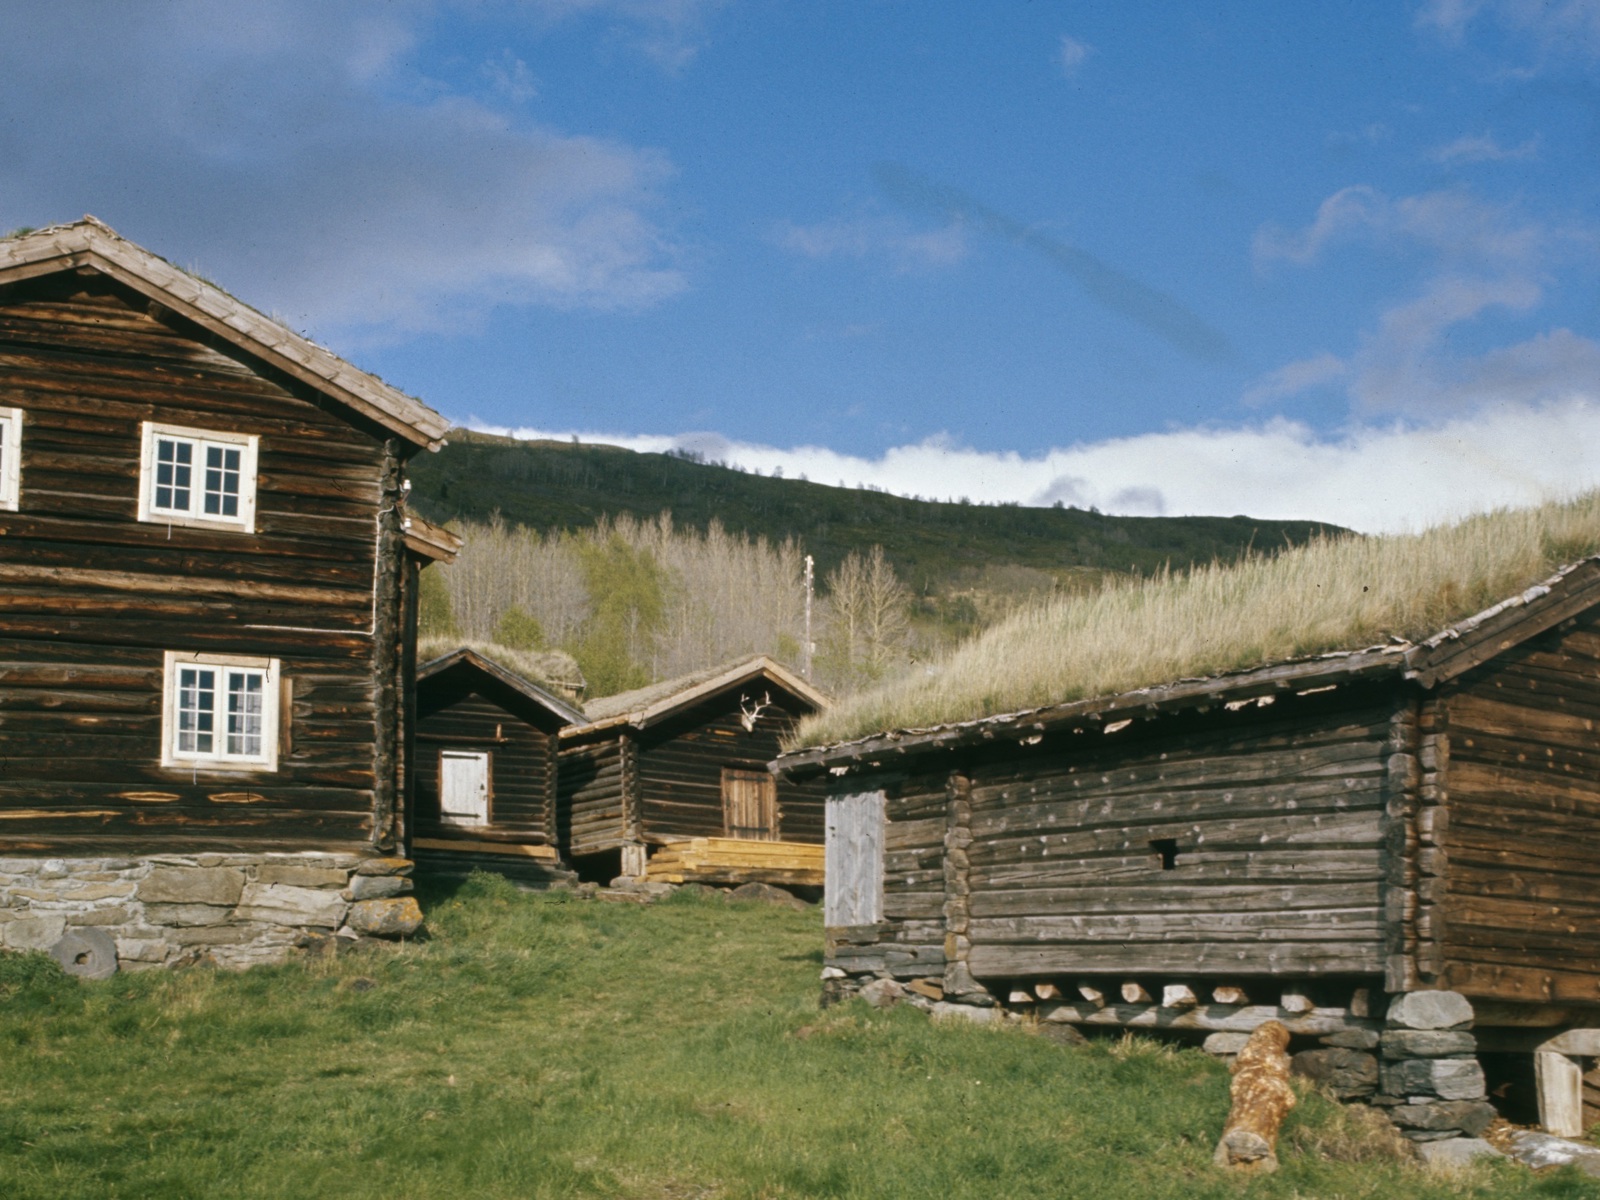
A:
1262,1097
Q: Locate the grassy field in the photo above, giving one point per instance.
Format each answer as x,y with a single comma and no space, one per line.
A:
534,1047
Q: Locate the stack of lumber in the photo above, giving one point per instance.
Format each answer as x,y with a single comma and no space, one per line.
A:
735,860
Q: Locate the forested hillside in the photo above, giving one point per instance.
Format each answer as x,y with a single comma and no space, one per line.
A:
932,544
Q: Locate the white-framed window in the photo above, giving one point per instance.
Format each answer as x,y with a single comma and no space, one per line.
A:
220,710
10,457
197,477
464,788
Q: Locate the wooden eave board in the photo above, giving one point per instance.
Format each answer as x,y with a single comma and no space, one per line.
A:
91,244
430,541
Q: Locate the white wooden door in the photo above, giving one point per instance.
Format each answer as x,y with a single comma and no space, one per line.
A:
464,787
853,860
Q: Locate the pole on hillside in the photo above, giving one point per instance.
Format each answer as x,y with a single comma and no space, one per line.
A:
805,653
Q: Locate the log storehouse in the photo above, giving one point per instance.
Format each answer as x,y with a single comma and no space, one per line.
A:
670,782
1389,850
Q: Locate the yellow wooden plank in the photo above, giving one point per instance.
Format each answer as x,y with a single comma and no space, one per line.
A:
511,849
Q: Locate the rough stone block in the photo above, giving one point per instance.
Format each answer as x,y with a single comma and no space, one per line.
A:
119,914
1453,1154
185,914
143,950
1352,1039
1224,1044
943,1011
33,933
1471,1117
385,866
216,935
399,916
86,953
882,993
1428,1043
1540,1150
192,885
375,887
284,904
1348,1074
1447,1078
1430,1010
297,875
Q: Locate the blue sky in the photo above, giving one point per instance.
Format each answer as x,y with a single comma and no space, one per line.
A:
1337,261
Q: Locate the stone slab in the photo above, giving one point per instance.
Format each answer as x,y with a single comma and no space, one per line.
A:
1455,1154
1430,1010
284,904
192,885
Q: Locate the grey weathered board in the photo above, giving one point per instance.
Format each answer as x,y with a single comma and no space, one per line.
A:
853,860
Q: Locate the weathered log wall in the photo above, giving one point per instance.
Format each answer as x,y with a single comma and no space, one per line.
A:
1517,906
1217,844
522,756
590,816
680,771
90,597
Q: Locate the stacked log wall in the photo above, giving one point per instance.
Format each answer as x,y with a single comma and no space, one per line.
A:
1278,825
91,598
522,767
680,771
590,815
1518,910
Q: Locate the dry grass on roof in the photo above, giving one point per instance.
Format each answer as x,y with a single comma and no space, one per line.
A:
1336,594
550,669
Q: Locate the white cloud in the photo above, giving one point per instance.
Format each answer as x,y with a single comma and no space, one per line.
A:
1482,148
1556,28
1072,54
1374,477
1478,260
297,158
901,243
1296,377
669,32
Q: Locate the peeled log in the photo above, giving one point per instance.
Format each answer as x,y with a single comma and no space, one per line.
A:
1262,1097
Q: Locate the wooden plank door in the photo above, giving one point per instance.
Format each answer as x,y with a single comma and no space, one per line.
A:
464,788
750,804
853,860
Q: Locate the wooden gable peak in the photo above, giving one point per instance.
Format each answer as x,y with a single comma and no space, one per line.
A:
487,667
648,705
93,245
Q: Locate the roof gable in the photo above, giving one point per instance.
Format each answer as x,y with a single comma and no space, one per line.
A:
93,245
469,660
646,706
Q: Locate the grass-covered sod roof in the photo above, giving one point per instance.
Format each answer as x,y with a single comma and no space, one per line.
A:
1330,595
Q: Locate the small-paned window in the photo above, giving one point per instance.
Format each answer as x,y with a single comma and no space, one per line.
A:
221,710
10,457
198,477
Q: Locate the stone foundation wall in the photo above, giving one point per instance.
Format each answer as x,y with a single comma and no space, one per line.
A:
101,915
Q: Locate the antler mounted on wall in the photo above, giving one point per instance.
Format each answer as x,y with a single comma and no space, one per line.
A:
750,714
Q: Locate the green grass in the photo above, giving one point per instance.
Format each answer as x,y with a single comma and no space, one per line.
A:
537,1048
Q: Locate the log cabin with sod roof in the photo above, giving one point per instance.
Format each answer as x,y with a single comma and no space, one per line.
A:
207,627
486,741
670,782
1387,844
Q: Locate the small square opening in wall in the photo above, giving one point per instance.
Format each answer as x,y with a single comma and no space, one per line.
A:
220,711
1166,852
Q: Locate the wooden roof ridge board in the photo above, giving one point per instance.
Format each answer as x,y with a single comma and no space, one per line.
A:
647,705
91,243
430,541
487,666
1456,648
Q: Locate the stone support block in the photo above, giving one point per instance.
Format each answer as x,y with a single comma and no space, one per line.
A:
192,885
1348,1074
32,933
393,918
1428,1043
1430,1010
1446,1078
296,875
385,866
284,904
